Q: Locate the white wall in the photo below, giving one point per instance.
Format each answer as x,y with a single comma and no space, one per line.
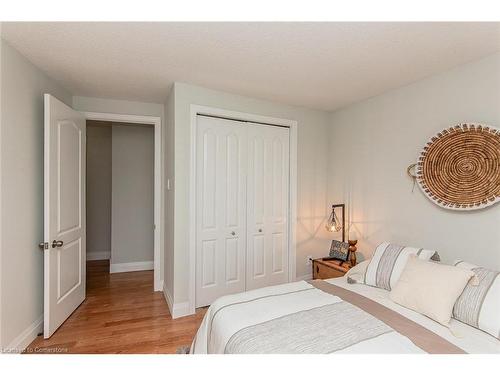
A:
373,142
312,169
89,104
1,182
22,89
132,198
168,267
98,190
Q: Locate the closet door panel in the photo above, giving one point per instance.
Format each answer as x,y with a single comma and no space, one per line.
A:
267,205
257,251
220,206
208,259
278,223
232,258
278,259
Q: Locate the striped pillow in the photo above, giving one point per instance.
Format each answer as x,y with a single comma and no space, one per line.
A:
479,305
388,262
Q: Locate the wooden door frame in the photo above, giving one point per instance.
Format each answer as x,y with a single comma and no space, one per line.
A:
158,179
196,110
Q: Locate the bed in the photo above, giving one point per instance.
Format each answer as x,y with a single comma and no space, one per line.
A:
328,316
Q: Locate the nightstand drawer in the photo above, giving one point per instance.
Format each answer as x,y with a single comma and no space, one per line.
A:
323,270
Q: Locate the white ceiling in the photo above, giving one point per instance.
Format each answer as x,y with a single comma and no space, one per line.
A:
316,65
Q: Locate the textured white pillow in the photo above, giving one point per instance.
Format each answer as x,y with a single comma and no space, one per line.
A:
357,273
430,288
479,305
388,262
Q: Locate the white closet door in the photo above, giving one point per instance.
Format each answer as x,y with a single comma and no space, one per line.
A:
267,206
220,206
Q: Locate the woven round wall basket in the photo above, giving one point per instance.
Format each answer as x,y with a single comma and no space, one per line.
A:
459,168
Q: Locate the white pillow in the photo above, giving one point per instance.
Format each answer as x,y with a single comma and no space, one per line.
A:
388,262
430,288
479,305
357,273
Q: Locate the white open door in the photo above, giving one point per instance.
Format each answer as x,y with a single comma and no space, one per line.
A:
64,213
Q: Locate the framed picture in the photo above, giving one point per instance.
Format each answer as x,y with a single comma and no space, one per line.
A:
339,250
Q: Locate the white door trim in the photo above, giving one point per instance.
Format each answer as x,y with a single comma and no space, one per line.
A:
196,110
158,176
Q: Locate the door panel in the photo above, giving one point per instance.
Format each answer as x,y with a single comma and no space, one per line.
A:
258,256
68,183
232,247
208,259
267,205
69,268
220,202
277,252
64,212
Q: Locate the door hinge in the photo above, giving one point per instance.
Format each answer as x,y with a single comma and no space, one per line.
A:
43,245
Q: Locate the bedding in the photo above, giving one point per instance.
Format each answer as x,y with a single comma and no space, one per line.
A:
430,288
479,305
357,273
388,262
329,316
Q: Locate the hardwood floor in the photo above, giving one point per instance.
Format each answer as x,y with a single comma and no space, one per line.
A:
121,314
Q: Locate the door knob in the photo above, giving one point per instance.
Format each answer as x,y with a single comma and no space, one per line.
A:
260,230
57,243
233,233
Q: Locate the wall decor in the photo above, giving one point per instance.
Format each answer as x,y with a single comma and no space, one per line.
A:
459,168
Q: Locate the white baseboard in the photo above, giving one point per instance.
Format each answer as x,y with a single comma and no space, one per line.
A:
181,309
168,298
305,277
177,310
26,337
158,287
98,255
130,267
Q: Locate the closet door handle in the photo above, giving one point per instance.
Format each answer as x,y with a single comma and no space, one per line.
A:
260,230
233,233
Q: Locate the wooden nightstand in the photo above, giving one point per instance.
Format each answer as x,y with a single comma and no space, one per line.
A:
327,269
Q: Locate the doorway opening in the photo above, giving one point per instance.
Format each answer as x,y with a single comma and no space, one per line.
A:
120,195
154,123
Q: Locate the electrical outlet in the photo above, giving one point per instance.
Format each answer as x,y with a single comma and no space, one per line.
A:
309,259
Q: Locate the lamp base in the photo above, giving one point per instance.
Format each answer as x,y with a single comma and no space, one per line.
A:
352,251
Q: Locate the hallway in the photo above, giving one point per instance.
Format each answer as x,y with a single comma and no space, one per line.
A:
121,314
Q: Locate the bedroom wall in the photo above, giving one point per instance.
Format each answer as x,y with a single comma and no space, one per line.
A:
98,190
22,89
373,142
1,182
168,267
312,169
132,197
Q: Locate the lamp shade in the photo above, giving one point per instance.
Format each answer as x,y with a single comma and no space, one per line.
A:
333,224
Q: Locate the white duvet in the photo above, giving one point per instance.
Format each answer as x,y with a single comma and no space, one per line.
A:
219,325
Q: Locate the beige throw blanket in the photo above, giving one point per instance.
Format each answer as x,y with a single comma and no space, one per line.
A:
420,336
